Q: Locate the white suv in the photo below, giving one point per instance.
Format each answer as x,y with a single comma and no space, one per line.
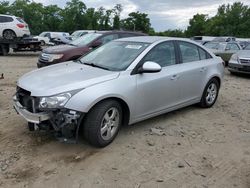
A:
12,27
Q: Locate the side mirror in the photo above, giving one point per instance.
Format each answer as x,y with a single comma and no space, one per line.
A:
149,67
227,49
96,44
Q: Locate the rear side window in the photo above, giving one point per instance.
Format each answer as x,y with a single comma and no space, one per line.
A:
232,46
20,20
5,19
191,52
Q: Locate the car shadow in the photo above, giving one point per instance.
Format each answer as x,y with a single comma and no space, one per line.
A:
148,123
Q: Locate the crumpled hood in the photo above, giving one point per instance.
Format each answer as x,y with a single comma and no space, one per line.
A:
245,54
59,49
62,78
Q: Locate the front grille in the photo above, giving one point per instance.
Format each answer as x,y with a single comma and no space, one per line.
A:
27,101
44,57
245,61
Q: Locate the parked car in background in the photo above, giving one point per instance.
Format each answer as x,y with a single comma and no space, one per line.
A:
223,49
240,61
244,44
80,46
80,33
12,27
224,39
46,37
61,40
122,82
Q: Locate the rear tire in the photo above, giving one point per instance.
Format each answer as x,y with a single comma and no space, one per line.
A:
102,123
210,94
9,34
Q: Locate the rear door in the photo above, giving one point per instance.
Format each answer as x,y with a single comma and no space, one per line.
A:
5,23
1,25
193,71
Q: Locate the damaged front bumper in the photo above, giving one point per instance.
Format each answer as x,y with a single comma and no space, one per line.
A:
28,116
64,122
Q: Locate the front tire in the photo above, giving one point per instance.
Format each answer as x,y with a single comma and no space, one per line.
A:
102,123
43,43
210,93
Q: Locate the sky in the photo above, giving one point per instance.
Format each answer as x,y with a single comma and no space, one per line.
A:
164,14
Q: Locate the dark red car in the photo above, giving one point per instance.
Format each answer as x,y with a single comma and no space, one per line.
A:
80,46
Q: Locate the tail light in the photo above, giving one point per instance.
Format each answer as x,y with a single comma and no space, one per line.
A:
20,25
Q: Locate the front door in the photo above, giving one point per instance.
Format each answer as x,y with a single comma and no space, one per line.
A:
158,91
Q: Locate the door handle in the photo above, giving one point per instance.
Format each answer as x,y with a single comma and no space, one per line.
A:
175,77
203,69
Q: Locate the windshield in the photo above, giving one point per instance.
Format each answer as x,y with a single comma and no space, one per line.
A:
86,39
78,33
20,20
42,34
115,56
214,45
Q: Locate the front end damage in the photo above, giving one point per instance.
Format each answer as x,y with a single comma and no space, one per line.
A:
65,123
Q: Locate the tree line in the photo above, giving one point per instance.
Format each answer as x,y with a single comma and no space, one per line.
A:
230,20
74,16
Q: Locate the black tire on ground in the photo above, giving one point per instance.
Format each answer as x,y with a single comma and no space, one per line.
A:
9,34
4,50
42,43
31,126
204,103
93,123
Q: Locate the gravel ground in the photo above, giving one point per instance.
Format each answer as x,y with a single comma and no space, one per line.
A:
191,147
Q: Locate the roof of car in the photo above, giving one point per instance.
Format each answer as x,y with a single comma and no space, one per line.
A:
118,31
151,39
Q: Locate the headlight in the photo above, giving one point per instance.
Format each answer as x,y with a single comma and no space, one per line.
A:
53,57
235,57
57,101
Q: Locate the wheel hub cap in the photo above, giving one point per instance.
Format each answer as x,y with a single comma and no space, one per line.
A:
211,93
110,123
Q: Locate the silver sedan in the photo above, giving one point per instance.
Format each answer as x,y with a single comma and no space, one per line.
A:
122,82
240,61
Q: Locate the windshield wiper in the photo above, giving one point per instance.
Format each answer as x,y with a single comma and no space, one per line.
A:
95,65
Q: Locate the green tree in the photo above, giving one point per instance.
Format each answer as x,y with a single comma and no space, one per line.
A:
137,21
51,18
197,25
73,16
4,7
117,11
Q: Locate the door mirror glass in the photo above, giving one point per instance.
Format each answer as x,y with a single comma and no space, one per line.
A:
150,67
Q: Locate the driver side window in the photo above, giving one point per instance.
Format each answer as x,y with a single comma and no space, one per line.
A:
163,54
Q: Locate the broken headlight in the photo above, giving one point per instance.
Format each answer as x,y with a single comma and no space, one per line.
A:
57,101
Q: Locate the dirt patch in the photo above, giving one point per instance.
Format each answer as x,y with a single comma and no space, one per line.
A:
78,158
